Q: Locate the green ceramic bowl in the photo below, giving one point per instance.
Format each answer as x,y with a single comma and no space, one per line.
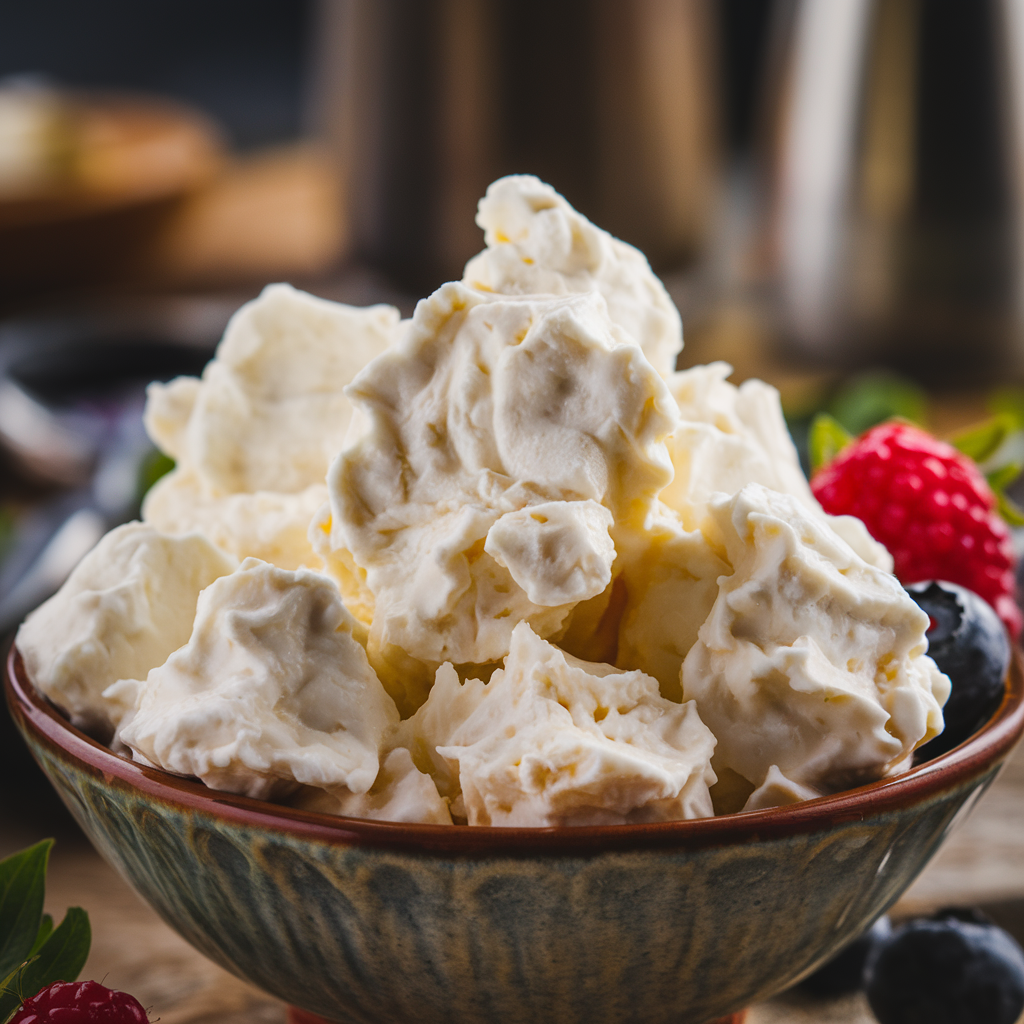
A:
368,922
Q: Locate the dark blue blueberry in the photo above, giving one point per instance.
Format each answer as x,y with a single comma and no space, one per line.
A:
845,971
946,971
969,644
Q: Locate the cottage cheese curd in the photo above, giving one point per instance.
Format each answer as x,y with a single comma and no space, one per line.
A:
500,430
254,436
537,244
557,741
812,662
271,690
595,590
123,610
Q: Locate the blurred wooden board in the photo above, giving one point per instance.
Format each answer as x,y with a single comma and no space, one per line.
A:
129,162
122,151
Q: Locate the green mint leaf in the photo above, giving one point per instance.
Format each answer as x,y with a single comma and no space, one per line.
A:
826,440
1009,402
153,467
982,441
1009,510
42,935
999,480
61,957
22,884
873,398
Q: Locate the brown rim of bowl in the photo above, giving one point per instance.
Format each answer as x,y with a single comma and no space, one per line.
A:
986,748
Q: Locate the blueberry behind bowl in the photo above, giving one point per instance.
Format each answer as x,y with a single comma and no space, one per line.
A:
946,971
969,643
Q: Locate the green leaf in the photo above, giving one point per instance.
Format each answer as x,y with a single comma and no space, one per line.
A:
999,480
42,935
61,958
982,441
153,467
1009,402
872,398
826,440
22,884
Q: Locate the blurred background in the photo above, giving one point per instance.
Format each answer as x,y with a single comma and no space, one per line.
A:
833,191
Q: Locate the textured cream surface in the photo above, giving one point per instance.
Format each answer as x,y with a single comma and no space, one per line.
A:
268,525
728,436
126,606
512,486
538,244
253,438
491,406
270,691
670,588
450,702
269,412
401,792
811,660
725,438
558,741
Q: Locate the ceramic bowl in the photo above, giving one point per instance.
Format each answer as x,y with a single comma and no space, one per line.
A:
367,922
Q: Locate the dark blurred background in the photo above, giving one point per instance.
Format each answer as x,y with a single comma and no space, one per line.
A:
243,62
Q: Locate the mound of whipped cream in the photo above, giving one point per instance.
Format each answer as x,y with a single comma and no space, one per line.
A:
498,564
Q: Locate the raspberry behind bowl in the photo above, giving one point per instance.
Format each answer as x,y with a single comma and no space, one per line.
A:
930,506
358,921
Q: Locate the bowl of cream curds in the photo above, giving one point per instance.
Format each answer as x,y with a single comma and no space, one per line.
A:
372,921
482,666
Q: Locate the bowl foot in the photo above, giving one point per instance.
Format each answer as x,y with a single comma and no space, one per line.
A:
297,1016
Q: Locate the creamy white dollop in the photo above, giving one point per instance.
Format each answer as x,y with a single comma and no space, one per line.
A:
538,244
125,607
253,437
512,486
401,792
729,436
267,525
725,438
488,410
272,690
811,661
557,741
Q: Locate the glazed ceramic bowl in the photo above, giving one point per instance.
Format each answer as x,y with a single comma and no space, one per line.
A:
367,922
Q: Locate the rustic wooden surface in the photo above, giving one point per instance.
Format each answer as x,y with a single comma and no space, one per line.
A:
982,863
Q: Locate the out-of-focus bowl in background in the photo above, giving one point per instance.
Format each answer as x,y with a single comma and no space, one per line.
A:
100,173
366,922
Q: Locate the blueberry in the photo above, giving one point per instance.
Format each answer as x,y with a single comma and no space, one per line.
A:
845,971
969,644
946,972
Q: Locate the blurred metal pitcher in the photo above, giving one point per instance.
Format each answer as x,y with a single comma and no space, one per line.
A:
425,102
896,212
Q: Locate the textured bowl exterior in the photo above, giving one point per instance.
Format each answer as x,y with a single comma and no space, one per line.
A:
369,922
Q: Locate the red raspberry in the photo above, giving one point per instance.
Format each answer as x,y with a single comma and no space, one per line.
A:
930,506
80,1002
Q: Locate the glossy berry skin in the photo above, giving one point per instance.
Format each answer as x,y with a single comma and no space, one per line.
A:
948,971
930,506
80,1002
968,643
845,971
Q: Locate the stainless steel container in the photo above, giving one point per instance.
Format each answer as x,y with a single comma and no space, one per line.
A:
425,102
896,183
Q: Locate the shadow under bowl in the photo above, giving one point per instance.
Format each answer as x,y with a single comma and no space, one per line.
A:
369,922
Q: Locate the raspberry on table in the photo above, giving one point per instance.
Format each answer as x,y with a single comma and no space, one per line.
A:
930,506
80,1002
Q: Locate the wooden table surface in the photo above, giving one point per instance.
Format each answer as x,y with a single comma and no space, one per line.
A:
133,950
